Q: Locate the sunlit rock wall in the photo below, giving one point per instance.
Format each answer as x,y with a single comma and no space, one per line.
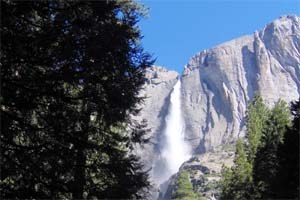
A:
157,90
217,83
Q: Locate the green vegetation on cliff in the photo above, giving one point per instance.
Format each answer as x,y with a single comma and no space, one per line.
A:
183,189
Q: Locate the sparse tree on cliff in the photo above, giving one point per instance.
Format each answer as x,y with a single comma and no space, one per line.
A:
184,188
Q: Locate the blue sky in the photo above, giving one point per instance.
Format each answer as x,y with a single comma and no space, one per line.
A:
175,30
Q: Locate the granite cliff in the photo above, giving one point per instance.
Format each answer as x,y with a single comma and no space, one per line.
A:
156,92
217,83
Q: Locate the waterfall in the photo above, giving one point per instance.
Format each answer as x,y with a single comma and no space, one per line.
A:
173,148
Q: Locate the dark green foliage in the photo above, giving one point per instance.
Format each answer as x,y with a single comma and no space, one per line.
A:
276,170
237,181
241,167
227,184
184,188
257,114
287,177
271,168
266,162
70,75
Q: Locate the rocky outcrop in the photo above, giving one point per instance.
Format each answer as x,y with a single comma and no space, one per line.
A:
217,83
205,171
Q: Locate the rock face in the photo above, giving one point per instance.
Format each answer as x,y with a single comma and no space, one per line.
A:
217,83
157,92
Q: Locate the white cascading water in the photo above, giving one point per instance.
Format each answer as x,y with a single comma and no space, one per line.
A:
174,149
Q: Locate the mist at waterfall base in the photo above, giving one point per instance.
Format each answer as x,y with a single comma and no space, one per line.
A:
173,148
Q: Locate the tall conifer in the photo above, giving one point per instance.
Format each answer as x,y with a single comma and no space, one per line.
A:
71,72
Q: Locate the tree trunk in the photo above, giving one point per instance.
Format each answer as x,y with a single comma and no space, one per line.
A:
79,176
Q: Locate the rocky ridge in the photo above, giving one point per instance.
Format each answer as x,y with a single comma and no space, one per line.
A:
205,171
218,83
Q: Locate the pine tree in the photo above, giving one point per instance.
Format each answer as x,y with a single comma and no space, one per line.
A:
257,114
184,188
237,182
266,163
271,168
286,185
71,72
226,183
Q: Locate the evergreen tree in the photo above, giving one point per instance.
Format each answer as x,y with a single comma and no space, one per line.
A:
237,181
271,168
70,75
184,188
226,183
266,162
286,185
279,157
257,114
